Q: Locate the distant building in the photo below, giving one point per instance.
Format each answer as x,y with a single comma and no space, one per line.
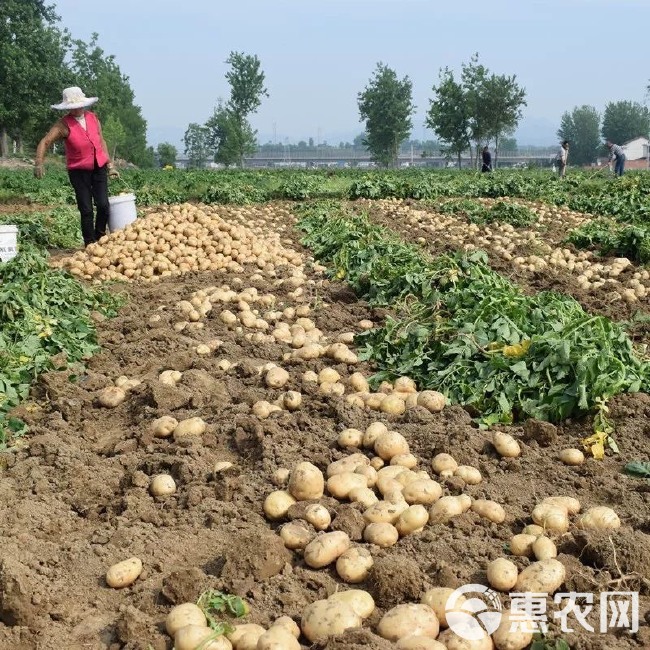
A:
636,153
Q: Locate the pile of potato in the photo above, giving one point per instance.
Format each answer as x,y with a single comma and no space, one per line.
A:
182,238
397,499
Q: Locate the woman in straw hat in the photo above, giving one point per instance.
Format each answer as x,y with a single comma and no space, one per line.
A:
87,159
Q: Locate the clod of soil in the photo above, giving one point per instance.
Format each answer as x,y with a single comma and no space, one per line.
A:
395,579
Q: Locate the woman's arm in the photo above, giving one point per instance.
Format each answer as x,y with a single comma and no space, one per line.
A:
58,132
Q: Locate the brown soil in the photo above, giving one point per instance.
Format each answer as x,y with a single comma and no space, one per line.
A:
74,500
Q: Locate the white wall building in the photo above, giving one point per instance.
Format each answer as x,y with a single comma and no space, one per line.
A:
636,148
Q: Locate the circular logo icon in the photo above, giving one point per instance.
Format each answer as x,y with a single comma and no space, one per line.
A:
473,612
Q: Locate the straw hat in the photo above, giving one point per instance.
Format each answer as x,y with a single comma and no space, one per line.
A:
74,98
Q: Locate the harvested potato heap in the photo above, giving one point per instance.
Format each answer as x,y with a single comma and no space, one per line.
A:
184,238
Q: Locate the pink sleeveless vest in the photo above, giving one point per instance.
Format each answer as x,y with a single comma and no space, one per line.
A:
83,147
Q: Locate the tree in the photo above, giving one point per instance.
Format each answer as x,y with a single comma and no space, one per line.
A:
229,137
386,105
230,131
32,68
509,144
448,115
196,140
623,121
474,76
166,154
502,99
581,128
114,134
99,75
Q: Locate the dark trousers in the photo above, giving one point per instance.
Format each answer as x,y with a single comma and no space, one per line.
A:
91,186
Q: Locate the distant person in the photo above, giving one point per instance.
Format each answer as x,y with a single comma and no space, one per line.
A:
487,160
86,157
562,158
617,155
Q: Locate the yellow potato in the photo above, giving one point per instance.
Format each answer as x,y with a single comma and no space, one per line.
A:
124,574
350,438
348,464
469,474
164,426
359,600
545,576
340,485
306,482
408,620
437,598
412,520
444,463
544,548
422,491
572,457
489,510
451,641
354,564
325,618
292,400
276,377
522,545
189,428
244,635
506,445
296,535
448,507
599,518
326,548
502,574
162,485
277,504
381,534
384,512
404,460
112,396
318,516
373,431
182,615
507,638
278,637
550,516
191,637
571,504
289,624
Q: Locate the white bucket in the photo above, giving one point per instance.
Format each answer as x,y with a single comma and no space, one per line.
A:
122,211
8,242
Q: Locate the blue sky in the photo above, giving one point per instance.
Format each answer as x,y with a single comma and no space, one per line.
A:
318,54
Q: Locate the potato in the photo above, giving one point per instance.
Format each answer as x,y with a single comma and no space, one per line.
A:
278,637
369,472
444,465
292,400
384,512
392,405
502,574
365,496
124,573
377,463
373,431
164,426
507,638
245,636
276,377
572,457
412,520
451,641
325,618
404,385
469,474
381,534
506,445
306,482
391,444
404,460
350,438
280,476
326,548
112,396
599,518
340,485
419,643
295,535
437,598
359,600
182,615
288,624
489,510
422,491
191,637
432,400
551,517
545,576
170,377
329,375
162,485
571,504
533,529
354,564
448,507
408,620
544,548
318,516
522,545
309,375
191,427
359,383
347,464
277,504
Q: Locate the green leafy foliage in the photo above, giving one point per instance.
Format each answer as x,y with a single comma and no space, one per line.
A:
216,604
465,330
500,211
611,238
43,313
638,469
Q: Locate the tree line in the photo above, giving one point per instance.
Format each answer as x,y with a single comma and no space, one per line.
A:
479,108
583,127
38,59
